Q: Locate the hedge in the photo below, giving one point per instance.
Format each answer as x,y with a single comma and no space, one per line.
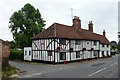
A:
16,54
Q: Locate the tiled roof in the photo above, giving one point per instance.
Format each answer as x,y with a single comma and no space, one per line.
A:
69,32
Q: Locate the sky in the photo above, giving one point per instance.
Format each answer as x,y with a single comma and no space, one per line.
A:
103,13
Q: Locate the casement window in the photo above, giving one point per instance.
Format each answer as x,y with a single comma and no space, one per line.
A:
87,42
103,45
107,45
63,41
119,36
107,52
77,42
49,53
25,52
95,43
78,54
102,52
29,52
62,55
95,53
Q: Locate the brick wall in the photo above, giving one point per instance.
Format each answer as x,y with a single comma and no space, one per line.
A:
0,52
4,52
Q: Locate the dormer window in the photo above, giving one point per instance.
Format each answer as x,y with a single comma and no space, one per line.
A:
63,41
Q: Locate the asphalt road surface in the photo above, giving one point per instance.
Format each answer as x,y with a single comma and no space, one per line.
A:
100,68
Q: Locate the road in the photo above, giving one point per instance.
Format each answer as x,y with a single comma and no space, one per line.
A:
100,68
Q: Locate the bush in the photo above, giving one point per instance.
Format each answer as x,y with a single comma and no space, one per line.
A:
16,54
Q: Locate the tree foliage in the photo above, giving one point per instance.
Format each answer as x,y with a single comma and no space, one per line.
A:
113,45
118,46
25,24
12,44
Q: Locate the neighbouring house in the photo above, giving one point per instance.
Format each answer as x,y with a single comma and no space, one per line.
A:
63,43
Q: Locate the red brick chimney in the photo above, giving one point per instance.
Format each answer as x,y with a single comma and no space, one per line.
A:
104,33
77,23
90,26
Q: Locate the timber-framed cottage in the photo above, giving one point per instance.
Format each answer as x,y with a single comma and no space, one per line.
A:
63,43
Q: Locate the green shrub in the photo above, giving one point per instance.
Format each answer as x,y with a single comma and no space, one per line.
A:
16,54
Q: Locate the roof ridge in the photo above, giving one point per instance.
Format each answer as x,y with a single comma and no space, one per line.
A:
93,32
36,35
62,24
40,32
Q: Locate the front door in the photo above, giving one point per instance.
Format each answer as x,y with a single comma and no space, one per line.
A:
103,54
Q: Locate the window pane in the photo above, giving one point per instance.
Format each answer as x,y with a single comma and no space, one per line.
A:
62,55
119,36
29,52
78,54
95,53
77,42
102,45
87,42
25,52
95,43
49,53
63,41
102,52
107,52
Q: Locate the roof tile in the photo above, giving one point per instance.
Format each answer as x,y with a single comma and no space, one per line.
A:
57,30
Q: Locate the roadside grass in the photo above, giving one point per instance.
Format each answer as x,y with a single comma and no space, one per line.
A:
7,71
36,63
28,62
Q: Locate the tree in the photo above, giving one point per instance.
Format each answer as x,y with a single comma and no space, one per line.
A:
12,44
118,46
25,24
113,45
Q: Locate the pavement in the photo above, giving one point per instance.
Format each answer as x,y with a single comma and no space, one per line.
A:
98,68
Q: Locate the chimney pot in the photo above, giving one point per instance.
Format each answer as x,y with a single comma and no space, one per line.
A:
77,23
90,25
104,33
75,17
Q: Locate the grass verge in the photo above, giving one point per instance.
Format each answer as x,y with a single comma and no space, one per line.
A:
7,71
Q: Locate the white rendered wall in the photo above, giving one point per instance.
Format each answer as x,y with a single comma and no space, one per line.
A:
27,56
42,45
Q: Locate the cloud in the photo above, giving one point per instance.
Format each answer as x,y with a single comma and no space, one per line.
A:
103,13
